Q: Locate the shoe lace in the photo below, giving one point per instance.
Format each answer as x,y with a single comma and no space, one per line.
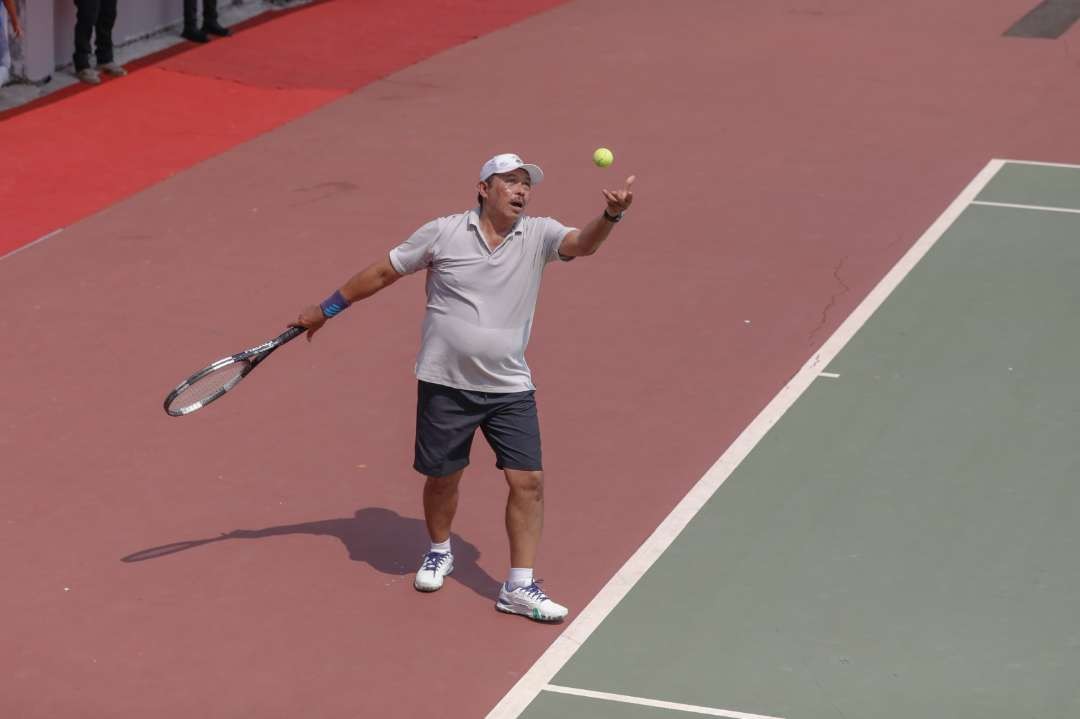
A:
433,560
533,591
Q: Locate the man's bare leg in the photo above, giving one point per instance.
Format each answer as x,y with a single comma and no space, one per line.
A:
440,505
524,523
524,515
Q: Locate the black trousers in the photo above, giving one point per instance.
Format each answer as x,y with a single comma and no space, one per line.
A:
94,18
209,12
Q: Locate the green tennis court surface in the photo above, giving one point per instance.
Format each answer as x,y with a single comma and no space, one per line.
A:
902,542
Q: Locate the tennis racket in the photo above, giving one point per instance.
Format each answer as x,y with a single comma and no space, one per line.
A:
214,380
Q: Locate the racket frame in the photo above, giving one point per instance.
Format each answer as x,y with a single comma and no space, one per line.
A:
250,358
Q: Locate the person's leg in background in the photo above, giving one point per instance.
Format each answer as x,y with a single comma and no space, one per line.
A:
86,15
210,24
191,23
103,42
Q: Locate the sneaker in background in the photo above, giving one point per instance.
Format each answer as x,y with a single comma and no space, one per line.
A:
194,34
213,28
89,75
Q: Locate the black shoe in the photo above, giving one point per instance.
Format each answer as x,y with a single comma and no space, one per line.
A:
195,35
214,29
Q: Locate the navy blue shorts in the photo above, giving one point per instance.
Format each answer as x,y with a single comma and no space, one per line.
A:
447,418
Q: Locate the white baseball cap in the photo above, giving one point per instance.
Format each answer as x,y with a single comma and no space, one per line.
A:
507,163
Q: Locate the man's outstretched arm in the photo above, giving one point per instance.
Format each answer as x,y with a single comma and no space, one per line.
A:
376,276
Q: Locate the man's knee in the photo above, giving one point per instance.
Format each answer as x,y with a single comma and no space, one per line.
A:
443,485
526,483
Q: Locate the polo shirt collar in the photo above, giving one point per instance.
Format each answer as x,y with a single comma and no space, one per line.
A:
474,221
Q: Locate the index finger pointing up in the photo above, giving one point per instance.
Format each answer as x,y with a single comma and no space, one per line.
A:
630,181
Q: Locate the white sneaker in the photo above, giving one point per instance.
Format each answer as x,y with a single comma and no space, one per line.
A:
113,68
435,566
89,76
531,602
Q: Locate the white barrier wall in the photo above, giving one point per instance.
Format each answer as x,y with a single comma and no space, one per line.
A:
49,30
134,19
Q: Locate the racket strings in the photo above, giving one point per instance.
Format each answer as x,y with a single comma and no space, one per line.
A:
208,387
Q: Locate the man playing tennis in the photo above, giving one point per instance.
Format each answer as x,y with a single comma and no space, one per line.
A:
483,277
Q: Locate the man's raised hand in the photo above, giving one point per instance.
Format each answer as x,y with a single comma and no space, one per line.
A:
620,200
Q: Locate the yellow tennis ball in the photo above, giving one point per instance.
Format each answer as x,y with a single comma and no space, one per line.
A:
603,157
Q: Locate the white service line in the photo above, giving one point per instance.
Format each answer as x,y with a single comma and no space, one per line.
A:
1041,164
1013,206
567,643
625,699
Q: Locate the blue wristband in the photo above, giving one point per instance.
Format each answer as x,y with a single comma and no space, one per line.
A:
334,304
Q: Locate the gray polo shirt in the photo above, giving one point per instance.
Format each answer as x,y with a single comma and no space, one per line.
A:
480,303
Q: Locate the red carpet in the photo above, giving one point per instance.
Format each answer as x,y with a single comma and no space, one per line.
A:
345,44
89,149
79,156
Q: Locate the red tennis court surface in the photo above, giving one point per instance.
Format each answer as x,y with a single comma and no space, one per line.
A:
787,154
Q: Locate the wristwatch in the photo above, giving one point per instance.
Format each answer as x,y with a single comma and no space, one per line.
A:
612,218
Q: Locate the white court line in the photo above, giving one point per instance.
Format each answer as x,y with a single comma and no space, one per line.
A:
1042,164
830,375
1041,208
54,233
625,699
567,643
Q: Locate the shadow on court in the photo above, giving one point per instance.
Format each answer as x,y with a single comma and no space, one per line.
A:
389,542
